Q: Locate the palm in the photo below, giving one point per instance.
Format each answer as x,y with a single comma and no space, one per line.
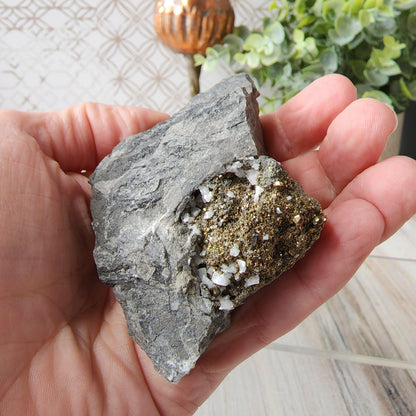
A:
64,332
67,349
52,305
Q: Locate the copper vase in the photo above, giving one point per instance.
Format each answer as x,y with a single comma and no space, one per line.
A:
190,26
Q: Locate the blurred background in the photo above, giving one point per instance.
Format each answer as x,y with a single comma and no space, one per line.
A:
57,53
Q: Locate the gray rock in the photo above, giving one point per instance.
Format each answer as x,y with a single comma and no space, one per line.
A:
190,219
143,249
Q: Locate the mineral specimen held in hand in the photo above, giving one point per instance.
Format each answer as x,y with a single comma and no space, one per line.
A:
251,223
189,221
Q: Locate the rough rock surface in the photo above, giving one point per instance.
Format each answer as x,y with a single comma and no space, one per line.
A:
251,223
154,200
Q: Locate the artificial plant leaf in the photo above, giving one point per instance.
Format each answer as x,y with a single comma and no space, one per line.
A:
336,38
275,32
373,42
366,17
210,64
347,26
408,88
391,69
306,21
313,71
321,28
405,89
240,58
375,77
273,5
234,42
354,6
329,60
199,59
383,26
412,89
269,60
268,47
298,36
356,41
392,47
253,59
378,95
331,9
311,48
254,42
370,4
211,52
404,4
242,32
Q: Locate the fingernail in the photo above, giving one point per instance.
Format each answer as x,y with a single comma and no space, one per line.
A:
396,119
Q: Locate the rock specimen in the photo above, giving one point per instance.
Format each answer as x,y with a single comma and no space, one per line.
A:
189,221
250,224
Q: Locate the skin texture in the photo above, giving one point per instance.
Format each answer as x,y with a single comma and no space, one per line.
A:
64,347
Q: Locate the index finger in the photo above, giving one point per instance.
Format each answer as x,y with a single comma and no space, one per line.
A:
80,136
301,123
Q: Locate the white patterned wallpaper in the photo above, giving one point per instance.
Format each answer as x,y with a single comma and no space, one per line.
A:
57,53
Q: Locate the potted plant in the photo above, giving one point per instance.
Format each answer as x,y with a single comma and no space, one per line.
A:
372,42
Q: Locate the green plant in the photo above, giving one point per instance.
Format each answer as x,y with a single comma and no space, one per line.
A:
373,42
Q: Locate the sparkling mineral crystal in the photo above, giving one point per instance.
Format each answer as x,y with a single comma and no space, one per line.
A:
190,218
250,224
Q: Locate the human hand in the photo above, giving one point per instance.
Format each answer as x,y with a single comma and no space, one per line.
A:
65,347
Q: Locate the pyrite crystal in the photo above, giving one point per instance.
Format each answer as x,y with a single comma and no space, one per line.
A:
190,218
251,223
